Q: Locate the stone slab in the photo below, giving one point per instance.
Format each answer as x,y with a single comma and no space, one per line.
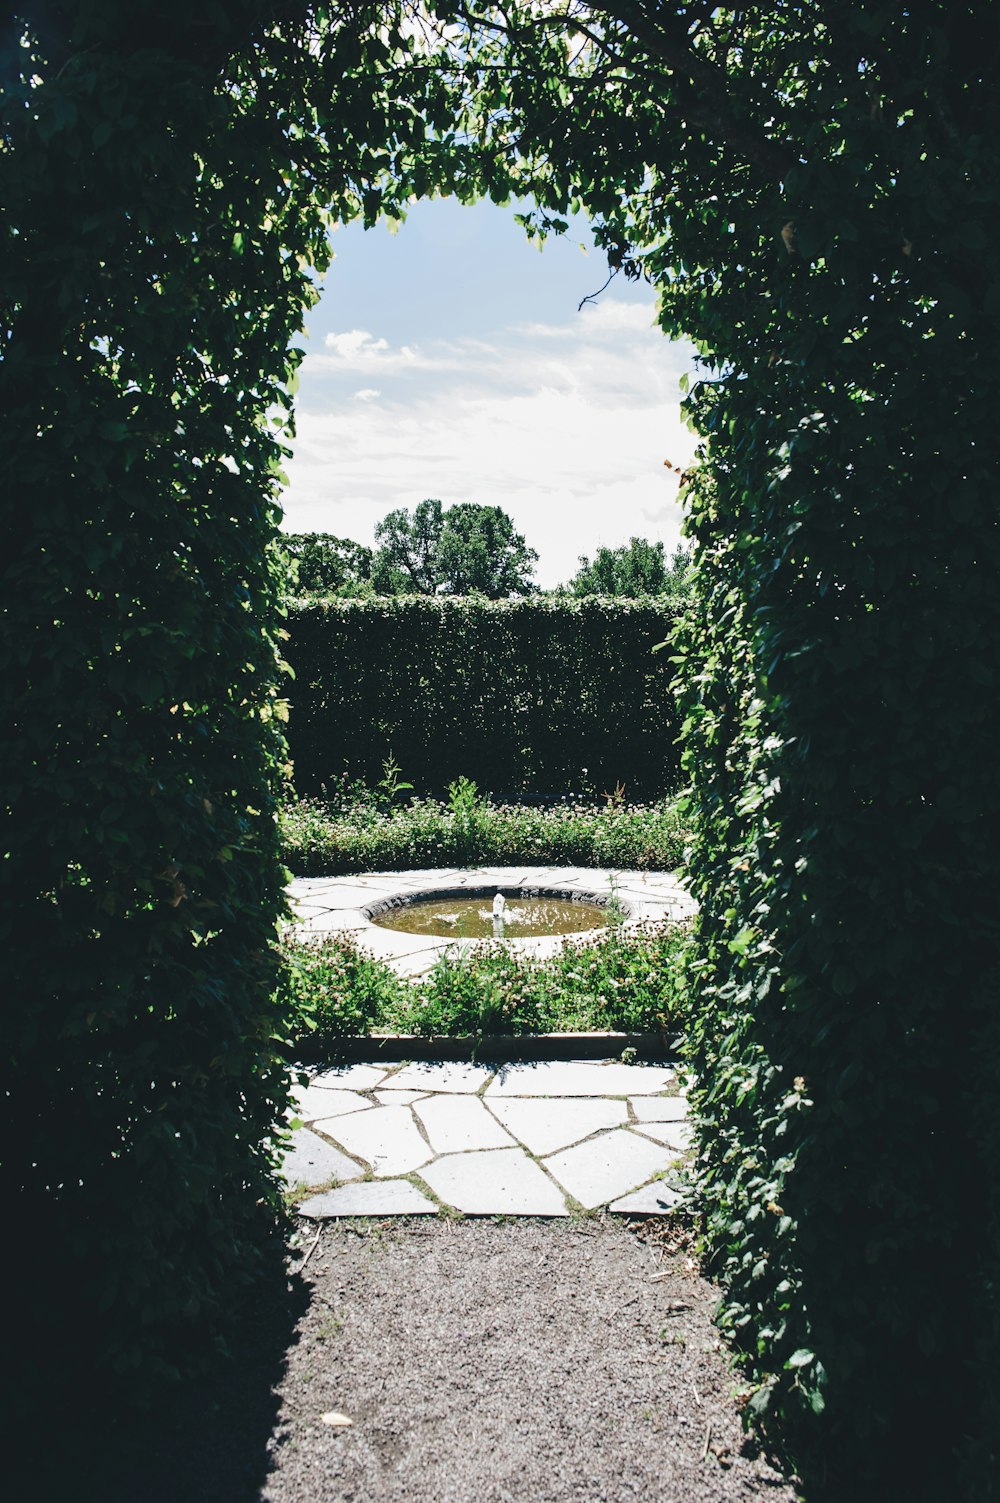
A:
659,1108
675,1135
544,1124
605,1168
579,1078
449,1076
460,1124
398,1098
393,946
313,1102
311,1160
657,1199
325,921
381,1197
386,1138
350,1077
502,1182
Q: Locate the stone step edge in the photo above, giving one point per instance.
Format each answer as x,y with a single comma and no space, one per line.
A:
490,1047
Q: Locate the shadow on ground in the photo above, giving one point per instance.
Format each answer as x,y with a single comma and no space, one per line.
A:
207,1439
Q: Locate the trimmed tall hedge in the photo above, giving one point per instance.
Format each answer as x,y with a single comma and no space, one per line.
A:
523,696
140,884
841,680
167,178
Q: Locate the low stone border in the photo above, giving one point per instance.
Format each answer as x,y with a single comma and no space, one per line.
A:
563,894
494,1048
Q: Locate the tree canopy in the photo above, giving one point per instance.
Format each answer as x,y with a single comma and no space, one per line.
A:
322,564
637,568
458,550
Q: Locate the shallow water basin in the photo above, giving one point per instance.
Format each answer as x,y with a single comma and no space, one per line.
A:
524,917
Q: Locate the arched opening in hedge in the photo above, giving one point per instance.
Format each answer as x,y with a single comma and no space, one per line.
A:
818,204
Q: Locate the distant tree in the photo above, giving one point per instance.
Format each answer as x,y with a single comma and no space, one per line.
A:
459,551
322,564
640,568
480,551
406,562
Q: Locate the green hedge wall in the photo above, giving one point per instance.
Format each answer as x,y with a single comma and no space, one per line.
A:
841,679
524,696
167,186
140,885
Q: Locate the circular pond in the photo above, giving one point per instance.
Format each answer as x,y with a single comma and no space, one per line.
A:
461,915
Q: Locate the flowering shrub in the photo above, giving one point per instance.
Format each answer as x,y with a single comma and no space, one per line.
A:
623,979
352,834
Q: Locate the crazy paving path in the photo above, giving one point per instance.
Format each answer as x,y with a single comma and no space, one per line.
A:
536,1139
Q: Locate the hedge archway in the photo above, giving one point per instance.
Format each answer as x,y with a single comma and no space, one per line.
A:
814,190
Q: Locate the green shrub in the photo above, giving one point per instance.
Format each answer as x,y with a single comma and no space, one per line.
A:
625,979
332,988
141,751
525,696
354,835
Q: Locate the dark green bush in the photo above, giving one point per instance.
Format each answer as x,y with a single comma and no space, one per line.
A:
141,752
840,698
523,696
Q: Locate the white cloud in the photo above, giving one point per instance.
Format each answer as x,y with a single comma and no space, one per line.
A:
355,344
565,426
359,350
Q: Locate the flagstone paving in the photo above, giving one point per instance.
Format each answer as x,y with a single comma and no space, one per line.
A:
536,1139
675,1135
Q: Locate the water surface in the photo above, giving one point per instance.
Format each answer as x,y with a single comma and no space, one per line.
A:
472,918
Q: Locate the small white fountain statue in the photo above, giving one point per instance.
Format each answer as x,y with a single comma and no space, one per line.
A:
499,914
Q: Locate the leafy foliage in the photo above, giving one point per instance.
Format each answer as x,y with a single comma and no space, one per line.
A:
533,696
321,564
637,569
355,833
141,884
332,988
621,980
462,550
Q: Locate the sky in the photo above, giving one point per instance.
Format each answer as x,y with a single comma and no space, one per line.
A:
450,360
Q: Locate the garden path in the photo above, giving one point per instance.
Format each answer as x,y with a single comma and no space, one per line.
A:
547,1138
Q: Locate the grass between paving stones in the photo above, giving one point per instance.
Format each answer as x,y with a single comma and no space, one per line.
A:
354,830
627,979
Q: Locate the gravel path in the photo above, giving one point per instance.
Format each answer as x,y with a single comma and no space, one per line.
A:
479,1361
527,1360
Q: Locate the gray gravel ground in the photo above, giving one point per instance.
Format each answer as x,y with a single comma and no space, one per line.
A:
529,1360
479,1361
